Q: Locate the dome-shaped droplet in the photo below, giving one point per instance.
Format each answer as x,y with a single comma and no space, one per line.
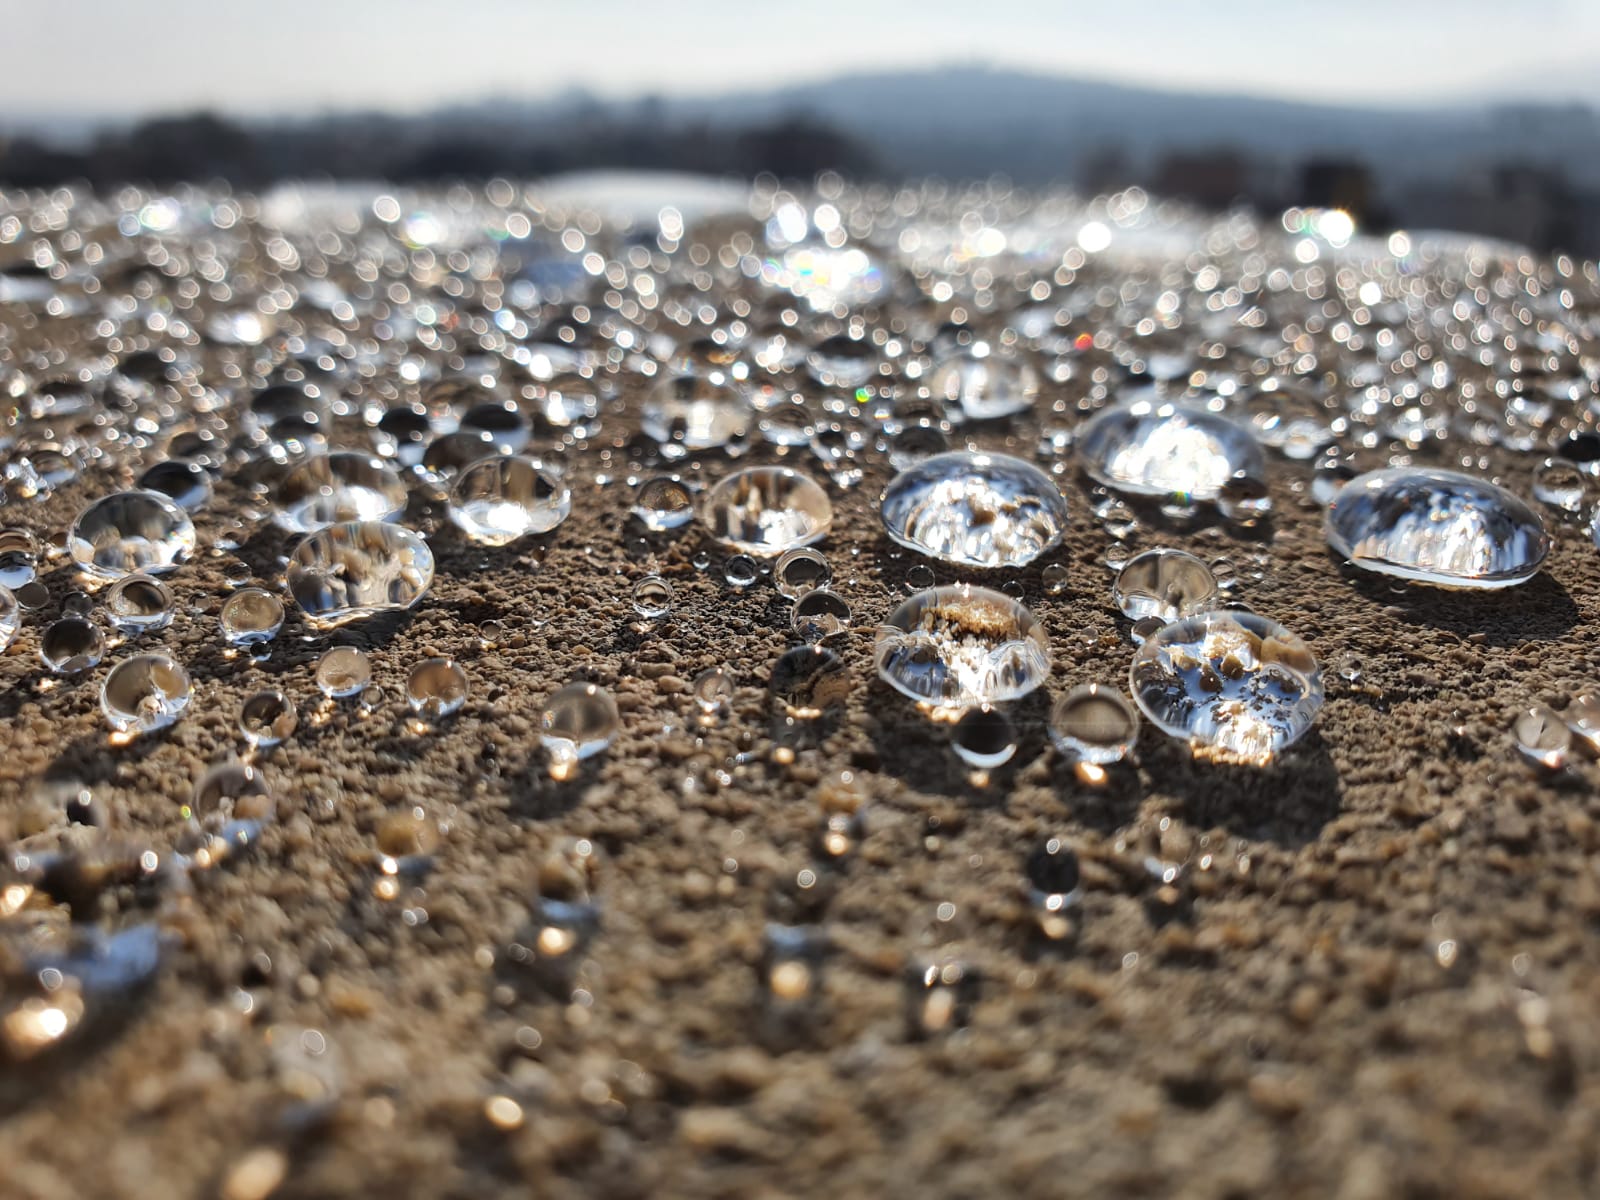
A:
354,570
10,617
696,412
984,737
1164,583
251,615
578,722
501,498
1560,484
1235,685
436,688
1438,527
130,532
663,502
139,604
330,489
809,680
267,718
985,385
712,690
1163,450
185,482
842,361
1094,724
231,790
652,597
819,614
957,646
799,571
145,693
19,558
767,510
979,510
740,571
71,646
343,671
1542,736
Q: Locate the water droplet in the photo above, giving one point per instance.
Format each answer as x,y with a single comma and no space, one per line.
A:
332,489
980,510
915,443
1244,499
712,690
501,498
767,510
267,718
251,615
1053,873
984,737
809,680
1145,628
663,502
842,361
740,571
652,597
126,532
578,722
1583,718
920,577
800,570
939,996
1350,668
959,646
71,646
1162,450
1235,685
31,597
10,617
145,693
1094,724
819,614
986,386
1560,484
346,572
139,604
231,790
343,671
1542,736
696,412
436,689
1437,527
1164,583
19,558
183,481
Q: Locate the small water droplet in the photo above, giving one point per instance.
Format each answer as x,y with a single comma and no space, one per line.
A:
712,691
1163,450
767,510
652,597
1164,583
578,722
10,617
332,489
819,614
801,570
71,646
267,718
984,737
183,481
1560,484
145,693
740,571
1094,724
436,689
343,671
19,558
920,578
663,502
1542,736
251,615
1055,578
809,680
139,604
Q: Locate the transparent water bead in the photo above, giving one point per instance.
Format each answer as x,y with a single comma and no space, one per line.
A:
184,481
501,498
330,489
1164,583
1236,686
1542,736
663,502
819,614
979,510
712,690
959,646
1149,449
984,738
436,689
767,510
1437,527
1054,875
145,693
130,532
71,646
652,597
578,722
343,671
1583,718
1560,484
139,604
986,386
231,790
250,616
19,558
267,718
10,617
1094,724
799,571
696,412
809,680
346,572
740,571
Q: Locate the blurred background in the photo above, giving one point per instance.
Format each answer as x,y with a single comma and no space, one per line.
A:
1478,115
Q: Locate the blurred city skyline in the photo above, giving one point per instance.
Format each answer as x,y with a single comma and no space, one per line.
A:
105,62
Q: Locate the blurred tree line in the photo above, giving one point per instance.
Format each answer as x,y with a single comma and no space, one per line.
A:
205,146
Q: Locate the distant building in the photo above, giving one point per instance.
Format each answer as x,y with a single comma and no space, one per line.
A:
1218,178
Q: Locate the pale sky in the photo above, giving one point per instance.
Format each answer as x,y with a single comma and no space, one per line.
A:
131,57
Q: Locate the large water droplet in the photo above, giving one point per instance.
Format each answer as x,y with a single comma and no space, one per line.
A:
499,499
696,412
767,510
126,532
981,510
958,646
1235,685
1163,450
145,693
350,571
333,488
1438,527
